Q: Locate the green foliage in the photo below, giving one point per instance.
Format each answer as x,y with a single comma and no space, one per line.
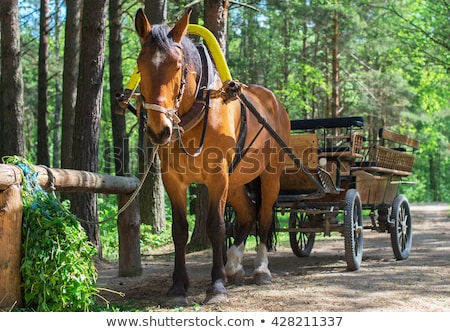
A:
57,269
150,240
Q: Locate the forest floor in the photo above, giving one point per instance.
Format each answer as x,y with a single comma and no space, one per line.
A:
319,282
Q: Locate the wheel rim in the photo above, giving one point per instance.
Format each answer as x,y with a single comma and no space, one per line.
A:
302,238
301,243
356,226
353,234
401,233
403,227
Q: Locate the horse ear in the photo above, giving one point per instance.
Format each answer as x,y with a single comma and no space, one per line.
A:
180,29
142,24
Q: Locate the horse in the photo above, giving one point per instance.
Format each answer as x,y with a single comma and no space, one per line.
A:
198,142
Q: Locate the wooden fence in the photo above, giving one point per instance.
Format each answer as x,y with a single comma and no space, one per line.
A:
128,222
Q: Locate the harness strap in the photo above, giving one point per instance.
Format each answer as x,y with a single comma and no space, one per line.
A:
178,132
240,152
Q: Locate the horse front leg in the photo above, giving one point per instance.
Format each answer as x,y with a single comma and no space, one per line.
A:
217,191
177,294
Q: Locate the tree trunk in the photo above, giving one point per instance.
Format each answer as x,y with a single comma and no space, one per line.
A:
88,110
120,137
156,11
57,119
336,90
216,14
152,203
216,18
286,43
12,135
43,156
70,78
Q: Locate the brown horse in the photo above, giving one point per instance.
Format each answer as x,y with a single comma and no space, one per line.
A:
170,67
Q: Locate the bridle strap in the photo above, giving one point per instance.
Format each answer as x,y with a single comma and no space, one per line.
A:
170,113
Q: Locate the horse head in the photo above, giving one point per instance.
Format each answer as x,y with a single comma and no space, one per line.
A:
168,75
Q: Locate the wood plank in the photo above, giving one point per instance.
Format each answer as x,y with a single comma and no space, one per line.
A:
71,180
398,138
10,247
374,169
344,155
305,147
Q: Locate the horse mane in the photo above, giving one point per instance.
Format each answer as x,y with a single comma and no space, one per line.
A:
161,37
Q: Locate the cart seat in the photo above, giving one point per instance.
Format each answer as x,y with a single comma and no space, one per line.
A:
326,123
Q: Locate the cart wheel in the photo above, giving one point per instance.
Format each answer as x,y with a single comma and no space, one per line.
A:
230,220
401,229
353,230
301,243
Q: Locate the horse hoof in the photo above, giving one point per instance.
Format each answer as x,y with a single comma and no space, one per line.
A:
176,297
177,301
215,298
237,278
262,279
216,293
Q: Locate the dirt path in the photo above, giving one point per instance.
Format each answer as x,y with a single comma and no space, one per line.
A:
316,283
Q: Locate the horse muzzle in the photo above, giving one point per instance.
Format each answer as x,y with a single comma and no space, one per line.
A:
161,137
160,131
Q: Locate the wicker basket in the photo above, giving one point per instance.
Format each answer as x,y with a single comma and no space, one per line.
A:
384,157
357,143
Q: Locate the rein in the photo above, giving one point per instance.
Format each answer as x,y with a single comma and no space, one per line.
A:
128,202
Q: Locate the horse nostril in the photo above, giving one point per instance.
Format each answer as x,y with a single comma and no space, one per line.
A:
166,132
160,137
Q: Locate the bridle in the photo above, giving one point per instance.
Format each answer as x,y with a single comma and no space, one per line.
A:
172,114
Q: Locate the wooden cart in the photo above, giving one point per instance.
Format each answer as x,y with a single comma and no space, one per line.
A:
344,175
339,174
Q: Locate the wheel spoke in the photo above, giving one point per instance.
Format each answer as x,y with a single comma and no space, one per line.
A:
401,233
353,235
301,243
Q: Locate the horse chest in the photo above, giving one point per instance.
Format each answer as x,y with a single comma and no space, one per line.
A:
193,169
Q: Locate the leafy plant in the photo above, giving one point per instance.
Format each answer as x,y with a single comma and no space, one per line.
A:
57,269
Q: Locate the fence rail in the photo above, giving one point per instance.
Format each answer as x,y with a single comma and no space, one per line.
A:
63,180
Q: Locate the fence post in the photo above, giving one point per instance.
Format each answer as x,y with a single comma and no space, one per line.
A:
10,246
128,227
